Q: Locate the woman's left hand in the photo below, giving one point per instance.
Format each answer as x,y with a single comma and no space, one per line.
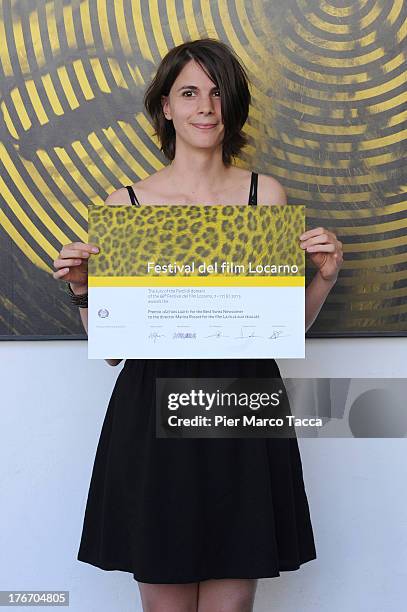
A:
325,251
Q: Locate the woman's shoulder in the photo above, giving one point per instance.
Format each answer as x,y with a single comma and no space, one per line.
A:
118,197
122,196
270,191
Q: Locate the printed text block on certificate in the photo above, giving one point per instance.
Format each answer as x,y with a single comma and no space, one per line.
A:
196,282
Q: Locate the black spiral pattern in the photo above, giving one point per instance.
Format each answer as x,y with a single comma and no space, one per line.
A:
328,120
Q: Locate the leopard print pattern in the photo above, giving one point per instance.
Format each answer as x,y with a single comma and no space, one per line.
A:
129,237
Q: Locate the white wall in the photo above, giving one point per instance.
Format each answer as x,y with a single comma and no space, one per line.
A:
53,403
350,358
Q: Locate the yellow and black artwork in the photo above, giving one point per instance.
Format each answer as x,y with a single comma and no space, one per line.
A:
328,120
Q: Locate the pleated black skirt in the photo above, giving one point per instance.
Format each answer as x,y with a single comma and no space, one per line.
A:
186,510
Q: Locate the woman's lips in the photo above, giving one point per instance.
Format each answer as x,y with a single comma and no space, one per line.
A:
205,126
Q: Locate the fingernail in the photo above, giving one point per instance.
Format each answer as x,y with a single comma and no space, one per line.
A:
95,250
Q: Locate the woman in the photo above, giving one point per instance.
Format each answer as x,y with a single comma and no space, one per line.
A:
197,521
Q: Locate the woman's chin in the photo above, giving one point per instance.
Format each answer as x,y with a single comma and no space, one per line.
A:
205,144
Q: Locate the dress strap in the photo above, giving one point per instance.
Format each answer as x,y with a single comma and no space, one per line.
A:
253,189
132,195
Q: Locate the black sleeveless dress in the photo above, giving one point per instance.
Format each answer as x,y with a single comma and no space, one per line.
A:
186,510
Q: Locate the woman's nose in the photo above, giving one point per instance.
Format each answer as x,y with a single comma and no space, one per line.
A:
206,105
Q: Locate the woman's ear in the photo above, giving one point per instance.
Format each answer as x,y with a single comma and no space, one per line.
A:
166,107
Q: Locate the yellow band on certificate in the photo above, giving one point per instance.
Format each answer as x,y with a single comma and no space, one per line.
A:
196,281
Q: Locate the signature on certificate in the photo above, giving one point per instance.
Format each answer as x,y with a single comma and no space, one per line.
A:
278,333
154,336
218,334
275,334
184,335
244,334
184,332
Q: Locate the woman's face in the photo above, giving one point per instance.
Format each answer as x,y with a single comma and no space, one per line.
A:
194,106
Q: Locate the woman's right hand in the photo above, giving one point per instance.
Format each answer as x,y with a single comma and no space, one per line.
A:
72,264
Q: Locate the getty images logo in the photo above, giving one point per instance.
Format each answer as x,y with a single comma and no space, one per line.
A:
103,313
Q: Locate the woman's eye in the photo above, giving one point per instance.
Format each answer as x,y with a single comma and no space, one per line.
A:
216,93
187,93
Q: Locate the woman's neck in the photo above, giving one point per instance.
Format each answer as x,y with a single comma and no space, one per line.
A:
198,171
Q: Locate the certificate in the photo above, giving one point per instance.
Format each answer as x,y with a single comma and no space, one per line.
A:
196,282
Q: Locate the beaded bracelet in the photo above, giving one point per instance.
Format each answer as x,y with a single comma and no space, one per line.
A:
78,300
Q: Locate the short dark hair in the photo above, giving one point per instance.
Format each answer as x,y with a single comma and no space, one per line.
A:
224,68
